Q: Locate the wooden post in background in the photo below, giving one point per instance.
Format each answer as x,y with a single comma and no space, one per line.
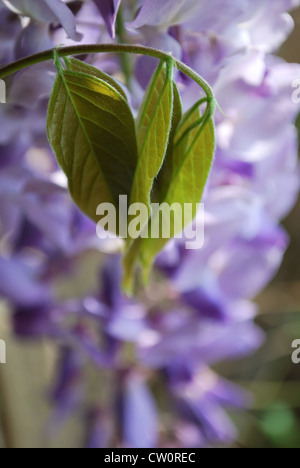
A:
24,382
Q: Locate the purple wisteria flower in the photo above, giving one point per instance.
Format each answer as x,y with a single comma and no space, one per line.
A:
46,11
109,10
198,310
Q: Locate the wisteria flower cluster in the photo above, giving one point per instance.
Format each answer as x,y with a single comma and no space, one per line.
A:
155,352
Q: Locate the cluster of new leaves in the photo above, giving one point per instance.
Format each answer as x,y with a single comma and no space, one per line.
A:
164,157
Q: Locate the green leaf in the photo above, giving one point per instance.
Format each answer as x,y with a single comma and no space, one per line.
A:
164,176
92,132
153,131
164,158
79,66
131,254
188,168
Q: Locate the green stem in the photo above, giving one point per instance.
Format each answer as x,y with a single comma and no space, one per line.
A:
110,48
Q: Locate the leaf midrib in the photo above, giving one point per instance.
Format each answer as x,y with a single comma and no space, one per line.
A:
178,171
62,75
166,84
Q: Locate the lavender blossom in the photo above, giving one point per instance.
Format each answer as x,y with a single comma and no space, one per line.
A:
109,10
48,11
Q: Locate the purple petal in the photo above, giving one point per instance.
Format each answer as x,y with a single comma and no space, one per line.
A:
100,429
32,39
34,322
20,283
49,11
140,415
109,10
209,302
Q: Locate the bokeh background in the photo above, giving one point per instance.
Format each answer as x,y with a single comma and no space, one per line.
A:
270,374
274,420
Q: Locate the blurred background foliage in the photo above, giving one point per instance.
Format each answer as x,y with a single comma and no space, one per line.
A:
274,421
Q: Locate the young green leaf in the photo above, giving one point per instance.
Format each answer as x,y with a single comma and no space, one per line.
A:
192,157
92,132
82,67
132,252
164,176
153,132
